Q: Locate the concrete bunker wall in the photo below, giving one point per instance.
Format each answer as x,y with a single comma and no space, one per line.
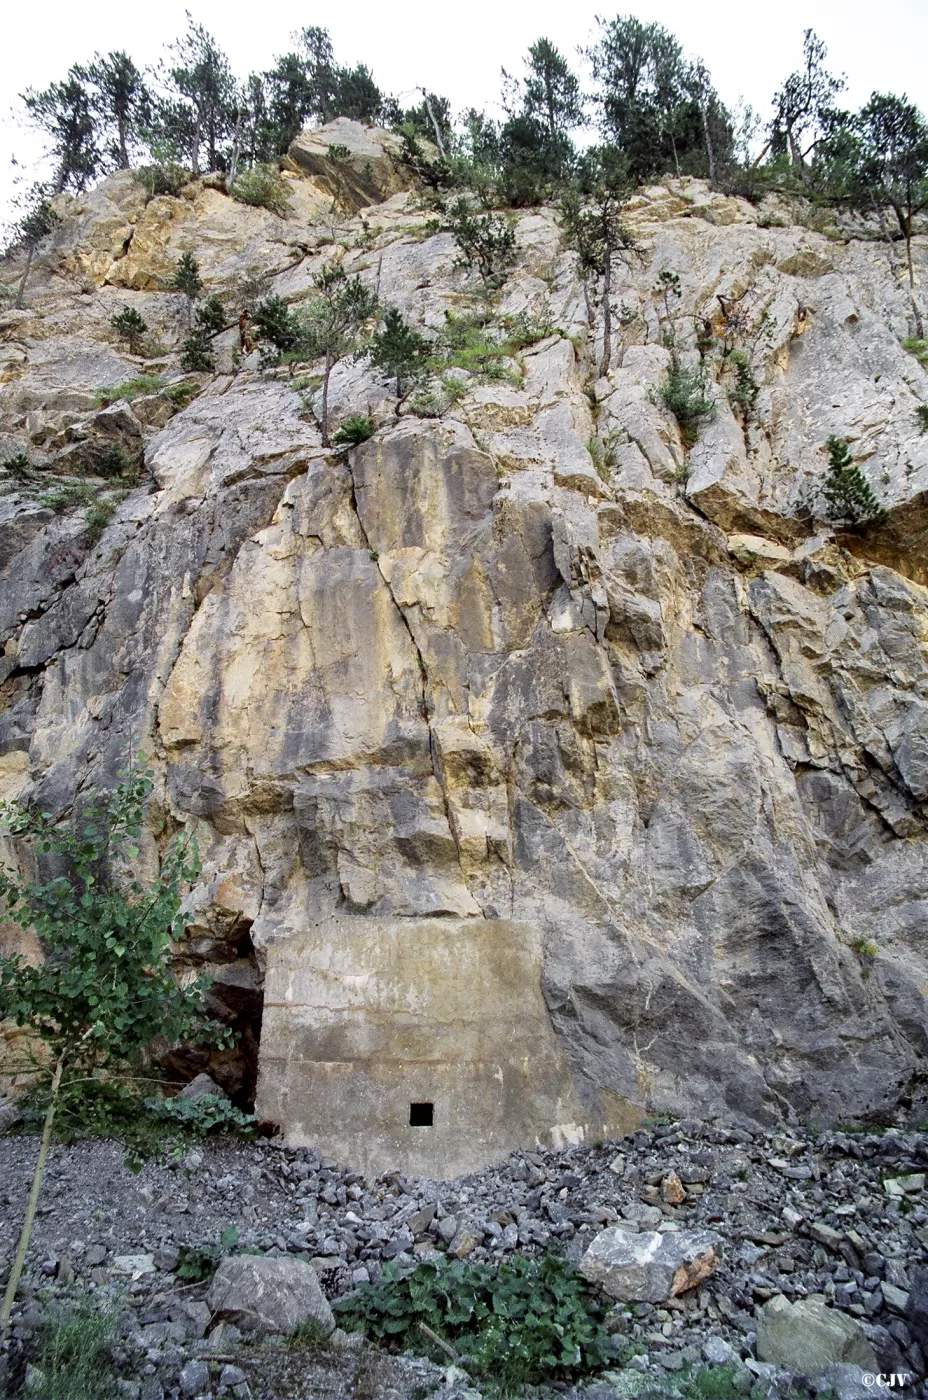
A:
422,1045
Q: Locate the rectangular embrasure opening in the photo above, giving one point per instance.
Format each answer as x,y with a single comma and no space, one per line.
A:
421,1115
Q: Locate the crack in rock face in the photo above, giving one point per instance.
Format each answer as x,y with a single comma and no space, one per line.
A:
543,662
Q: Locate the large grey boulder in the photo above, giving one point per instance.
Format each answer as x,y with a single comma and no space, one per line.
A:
268,1295
807,1336
648,1267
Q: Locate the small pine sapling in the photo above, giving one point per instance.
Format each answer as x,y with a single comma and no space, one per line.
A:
186,279
399,352
130,327
847,494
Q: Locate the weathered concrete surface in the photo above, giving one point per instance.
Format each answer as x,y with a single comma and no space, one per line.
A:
364,1018
653,709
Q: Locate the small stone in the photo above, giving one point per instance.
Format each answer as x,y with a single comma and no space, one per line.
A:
791,1218
95,1256
35,1379
10,1117
825,1234
64,1272
465,1242
230,1376
448,1228
166,1259
844,1382
617,1164
893,1297
202,1087
717,1351
194,1378
672,1190
134,1264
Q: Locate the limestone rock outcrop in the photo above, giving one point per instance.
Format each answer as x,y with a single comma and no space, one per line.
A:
534,660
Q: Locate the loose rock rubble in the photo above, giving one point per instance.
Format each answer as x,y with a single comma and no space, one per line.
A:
819,1246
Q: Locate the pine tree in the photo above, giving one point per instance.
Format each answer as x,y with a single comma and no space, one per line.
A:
65,112
129,326
33,227
591,214
849,499
552,91
187,279
331,326
202,108
399,351
121,101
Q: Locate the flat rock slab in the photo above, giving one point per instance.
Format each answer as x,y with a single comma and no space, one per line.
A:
807,1336
269,1295
650,1267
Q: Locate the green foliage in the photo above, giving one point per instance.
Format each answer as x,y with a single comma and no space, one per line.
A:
129,389
198,1263
687,393
160,179
716,1383
659,110
436,400
180,394
197,356
847,495
921,417
129,326
918,347
210,317
399,351
114,462
200,1117
186,277
604,452
262,187
98,516
864,947
17,465
331,325
486,242
743,393
105,991
357,428
64,111
517,1323
121,104
75,1353
65,497
466,342
276,327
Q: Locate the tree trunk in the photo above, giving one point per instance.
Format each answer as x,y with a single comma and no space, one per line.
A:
18,303
195,148
710,150
325,401
26,1233
233,163
916,314
435,127
607,316
123,148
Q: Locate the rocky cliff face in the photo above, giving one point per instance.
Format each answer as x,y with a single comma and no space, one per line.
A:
463,671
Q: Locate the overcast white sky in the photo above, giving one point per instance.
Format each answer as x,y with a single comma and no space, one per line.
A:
458,49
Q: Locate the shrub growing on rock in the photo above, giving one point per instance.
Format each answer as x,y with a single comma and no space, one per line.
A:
687,394
105,990
357,428
262,187
486,242
516,1323
130,327
846,493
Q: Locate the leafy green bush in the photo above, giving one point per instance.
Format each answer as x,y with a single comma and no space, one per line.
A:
98,517
262,187
199,1117
467,343
18,465
186,277
210,316
921,417
130,327
357,428
74,1359
744,391
514,1324
197,356
66,497
162,179
114,462
846,493
276,327
687,394
917,347
130,389
197,1263
486,242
